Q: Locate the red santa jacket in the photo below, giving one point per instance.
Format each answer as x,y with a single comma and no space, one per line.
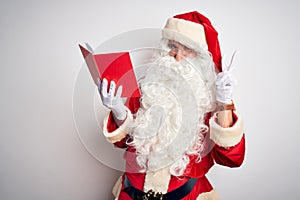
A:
228,150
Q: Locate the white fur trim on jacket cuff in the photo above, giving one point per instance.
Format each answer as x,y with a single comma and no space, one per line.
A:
226,137
119,133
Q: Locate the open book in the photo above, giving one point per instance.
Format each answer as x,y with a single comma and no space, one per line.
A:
114,67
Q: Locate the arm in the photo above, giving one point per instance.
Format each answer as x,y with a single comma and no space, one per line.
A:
229,149
226,127
224,115
115,125
230,156
116,131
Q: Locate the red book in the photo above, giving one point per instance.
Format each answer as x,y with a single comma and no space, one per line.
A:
113,66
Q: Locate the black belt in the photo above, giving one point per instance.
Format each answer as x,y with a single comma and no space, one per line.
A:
176,194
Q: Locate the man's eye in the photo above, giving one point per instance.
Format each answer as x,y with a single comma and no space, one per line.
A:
188,49
172,46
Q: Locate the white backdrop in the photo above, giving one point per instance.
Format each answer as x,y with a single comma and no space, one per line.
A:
42,156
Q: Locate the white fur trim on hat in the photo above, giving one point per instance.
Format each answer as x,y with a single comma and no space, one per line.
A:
120,132
226,137
188,33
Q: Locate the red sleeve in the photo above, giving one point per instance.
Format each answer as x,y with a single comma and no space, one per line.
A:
230,156
133,104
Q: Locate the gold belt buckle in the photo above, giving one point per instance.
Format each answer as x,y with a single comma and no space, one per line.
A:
155,195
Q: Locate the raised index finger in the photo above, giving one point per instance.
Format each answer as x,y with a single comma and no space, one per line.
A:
231,65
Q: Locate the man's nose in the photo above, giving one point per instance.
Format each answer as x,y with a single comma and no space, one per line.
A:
178,56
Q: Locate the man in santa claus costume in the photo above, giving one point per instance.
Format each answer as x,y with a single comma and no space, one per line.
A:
185,120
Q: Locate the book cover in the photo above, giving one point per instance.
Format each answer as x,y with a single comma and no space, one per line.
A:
114,67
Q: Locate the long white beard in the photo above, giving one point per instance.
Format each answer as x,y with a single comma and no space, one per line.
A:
169,124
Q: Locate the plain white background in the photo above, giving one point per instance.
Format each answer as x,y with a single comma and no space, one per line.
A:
42,156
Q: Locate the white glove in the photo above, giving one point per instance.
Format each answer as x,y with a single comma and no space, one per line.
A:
225,83
114,103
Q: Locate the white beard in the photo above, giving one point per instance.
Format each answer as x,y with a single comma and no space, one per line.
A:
169,124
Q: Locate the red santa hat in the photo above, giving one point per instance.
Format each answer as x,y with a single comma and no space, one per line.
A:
195,31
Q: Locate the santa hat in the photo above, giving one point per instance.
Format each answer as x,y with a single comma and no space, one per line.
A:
195,31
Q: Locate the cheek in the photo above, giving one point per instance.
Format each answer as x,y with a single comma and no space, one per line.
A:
192,55
172,53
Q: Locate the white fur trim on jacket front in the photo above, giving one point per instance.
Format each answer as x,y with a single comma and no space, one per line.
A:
212,195
157,180
120,132
226,137
117,188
